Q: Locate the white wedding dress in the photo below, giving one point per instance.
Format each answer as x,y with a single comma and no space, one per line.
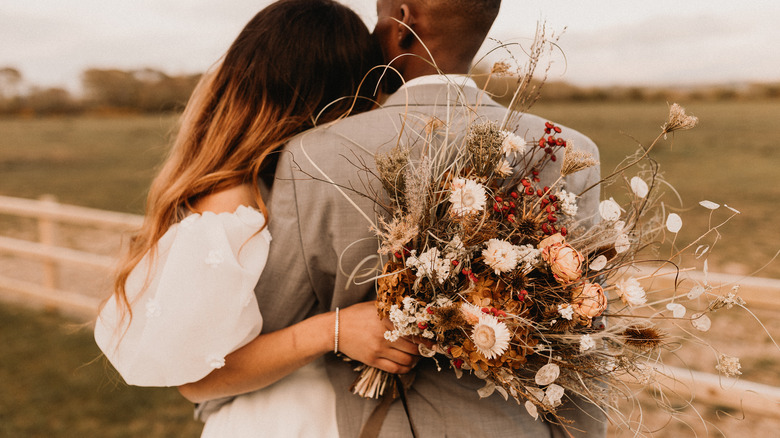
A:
194,305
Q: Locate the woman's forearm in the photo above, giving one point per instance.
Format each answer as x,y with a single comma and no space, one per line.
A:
266,359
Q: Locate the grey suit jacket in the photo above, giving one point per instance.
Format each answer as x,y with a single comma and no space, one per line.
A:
321,241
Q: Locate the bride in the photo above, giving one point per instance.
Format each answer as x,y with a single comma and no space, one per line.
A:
183,312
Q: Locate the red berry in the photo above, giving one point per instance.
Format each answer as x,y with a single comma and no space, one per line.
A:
455,263
422,325
514,194
553,158
564,231
557,129
429,310
499,199
457,363
529,190
539,193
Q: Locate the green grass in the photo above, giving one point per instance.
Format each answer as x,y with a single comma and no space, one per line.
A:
98,162
108,163
54,384
729,158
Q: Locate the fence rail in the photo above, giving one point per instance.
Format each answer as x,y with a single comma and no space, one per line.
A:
737,394
47,250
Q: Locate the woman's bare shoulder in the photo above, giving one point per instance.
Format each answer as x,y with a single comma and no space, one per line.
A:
226,201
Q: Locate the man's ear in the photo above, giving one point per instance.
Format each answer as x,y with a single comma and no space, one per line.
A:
405,35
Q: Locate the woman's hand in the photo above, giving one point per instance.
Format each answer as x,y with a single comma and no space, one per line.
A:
362,337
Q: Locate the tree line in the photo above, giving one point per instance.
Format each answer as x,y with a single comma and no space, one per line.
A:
150,91
105,91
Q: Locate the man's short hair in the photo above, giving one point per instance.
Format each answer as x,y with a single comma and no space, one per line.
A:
474,15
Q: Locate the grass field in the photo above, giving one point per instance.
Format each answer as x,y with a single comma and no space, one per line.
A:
54,384
729,158
50,382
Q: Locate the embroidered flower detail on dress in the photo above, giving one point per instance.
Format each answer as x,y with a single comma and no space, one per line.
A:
215,361
214,258
153,308
247,299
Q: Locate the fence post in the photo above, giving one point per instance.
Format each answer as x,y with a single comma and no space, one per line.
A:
47,235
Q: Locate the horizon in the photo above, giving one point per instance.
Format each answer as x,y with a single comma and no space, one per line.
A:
606,43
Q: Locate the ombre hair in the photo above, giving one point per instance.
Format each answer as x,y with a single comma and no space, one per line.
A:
297,63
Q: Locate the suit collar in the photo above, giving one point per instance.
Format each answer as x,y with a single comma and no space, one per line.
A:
439,95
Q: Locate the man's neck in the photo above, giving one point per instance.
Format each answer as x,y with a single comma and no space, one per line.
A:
416,67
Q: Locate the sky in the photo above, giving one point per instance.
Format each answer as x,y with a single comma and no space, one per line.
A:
605,42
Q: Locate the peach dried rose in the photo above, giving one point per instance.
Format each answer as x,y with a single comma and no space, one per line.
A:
565,261
589,301
551,240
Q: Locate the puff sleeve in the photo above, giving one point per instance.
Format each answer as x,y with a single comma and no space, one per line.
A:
192,304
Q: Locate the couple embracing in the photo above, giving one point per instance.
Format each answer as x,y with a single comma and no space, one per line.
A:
249,271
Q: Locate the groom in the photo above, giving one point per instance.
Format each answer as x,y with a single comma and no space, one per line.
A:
323,244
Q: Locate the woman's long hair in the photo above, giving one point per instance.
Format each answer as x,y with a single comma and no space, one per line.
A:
291,66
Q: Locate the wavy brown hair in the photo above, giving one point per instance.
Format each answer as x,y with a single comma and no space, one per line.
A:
295,64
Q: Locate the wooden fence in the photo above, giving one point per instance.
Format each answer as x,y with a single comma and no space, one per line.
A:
739,394
49,216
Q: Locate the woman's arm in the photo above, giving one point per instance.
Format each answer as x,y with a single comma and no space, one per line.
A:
271,356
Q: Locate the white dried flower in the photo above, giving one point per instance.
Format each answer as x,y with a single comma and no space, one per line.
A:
622,243
503,168
527,256
673,222
639,187
392,335
553,395
531,409
430,264
491,336
678,310
709,205
701,322
547,374
695,292
500,255
586,343
609,210
566,311
468,196
630,292
729,365
567,203
513,144
598,263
